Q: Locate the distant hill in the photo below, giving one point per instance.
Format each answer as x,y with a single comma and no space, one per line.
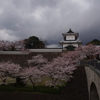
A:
94,42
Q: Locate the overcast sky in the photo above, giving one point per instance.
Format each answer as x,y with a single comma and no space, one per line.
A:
48,19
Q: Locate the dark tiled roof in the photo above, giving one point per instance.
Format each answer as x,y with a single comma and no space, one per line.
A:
70,31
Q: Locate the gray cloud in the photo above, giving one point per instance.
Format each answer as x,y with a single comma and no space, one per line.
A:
48,19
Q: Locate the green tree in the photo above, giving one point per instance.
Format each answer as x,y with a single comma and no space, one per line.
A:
94,42
34,42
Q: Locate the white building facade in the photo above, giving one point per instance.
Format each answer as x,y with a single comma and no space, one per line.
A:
70,40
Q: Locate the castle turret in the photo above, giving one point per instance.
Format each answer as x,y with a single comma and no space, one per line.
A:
70,40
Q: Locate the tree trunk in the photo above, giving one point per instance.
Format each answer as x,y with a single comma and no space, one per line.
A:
33,84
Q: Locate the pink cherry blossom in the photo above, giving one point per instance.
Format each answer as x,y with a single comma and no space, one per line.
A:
8,69
90,50
37,60
57,71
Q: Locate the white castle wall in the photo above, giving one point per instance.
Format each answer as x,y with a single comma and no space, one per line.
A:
46,50
31,50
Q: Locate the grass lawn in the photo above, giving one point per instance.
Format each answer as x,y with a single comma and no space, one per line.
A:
39,89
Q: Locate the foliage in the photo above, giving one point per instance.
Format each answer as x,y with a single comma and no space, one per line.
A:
59,70
37,60
31,75
90,50
34,42
6,45
34,73
8,69
11,46
20,45
94,42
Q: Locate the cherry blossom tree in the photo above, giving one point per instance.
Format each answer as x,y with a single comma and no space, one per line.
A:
20,45
90,50
6,45
57,72
8,69
60,70
34,72
12,46
31,75
38,60
73,56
